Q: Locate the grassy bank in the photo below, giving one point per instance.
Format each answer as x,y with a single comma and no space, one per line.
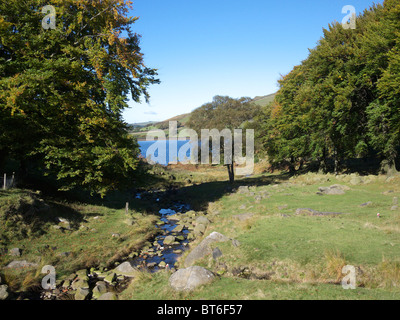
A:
84,238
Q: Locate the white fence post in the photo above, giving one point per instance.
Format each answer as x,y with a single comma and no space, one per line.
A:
5,182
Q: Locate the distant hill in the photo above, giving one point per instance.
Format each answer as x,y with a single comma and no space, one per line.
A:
140,129
264,100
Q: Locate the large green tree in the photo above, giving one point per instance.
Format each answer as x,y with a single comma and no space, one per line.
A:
63,90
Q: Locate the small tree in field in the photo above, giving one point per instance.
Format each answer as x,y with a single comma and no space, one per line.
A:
223,113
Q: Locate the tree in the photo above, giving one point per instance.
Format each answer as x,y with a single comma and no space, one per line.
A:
223,113
63,90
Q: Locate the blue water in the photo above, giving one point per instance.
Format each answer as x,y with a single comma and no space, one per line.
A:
162,149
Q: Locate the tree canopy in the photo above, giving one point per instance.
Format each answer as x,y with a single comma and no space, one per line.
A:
223,113
343,100
63,90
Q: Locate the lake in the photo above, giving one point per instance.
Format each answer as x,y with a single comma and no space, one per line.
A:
160,150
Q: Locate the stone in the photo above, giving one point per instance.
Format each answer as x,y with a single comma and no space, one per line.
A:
356,180
395,201
199,229
217,253
178,228
99,289
162,264
15,252
108,296
169,240
126,269
21,264
243,216
190,278
243,190
235,243
110,278
3,292
80,284
311,212
394,208
81,293
151,265
202,220
366,204
332,190
203,249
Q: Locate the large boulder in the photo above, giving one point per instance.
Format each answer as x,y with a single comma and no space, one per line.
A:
126,269
190,278
203,249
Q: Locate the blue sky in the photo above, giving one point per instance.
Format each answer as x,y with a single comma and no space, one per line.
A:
204,48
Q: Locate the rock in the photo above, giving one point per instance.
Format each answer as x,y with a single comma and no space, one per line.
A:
394,208
15,252
162,264
178,228
366,204
243,190
243,216
83,284
199,229
190,278
217,253
126,269
3,292
110,278
169,240
151,265
203,220
235,243
306,211
108,296
335,189
81,293
21,264
203,249
99,289
356,180
395,201
311,212
116,236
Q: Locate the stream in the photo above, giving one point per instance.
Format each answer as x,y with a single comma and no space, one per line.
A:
157,256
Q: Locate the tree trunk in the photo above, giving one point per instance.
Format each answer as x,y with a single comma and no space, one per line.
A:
231,173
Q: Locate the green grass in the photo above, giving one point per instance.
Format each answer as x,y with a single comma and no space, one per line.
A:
89,242
302,255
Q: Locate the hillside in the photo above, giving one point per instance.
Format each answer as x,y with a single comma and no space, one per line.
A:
139,130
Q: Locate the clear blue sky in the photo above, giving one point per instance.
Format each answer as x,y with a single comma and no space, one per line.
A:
204,48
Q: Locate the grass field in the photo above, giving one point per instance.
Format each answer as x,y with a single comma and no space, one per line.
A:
297,256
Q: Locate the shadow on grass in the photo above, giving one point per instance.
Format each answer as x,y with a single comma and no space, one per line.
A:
199,196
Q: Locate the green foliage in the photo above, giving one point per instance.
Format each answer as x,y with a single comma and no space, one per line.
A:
343,100
62,91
